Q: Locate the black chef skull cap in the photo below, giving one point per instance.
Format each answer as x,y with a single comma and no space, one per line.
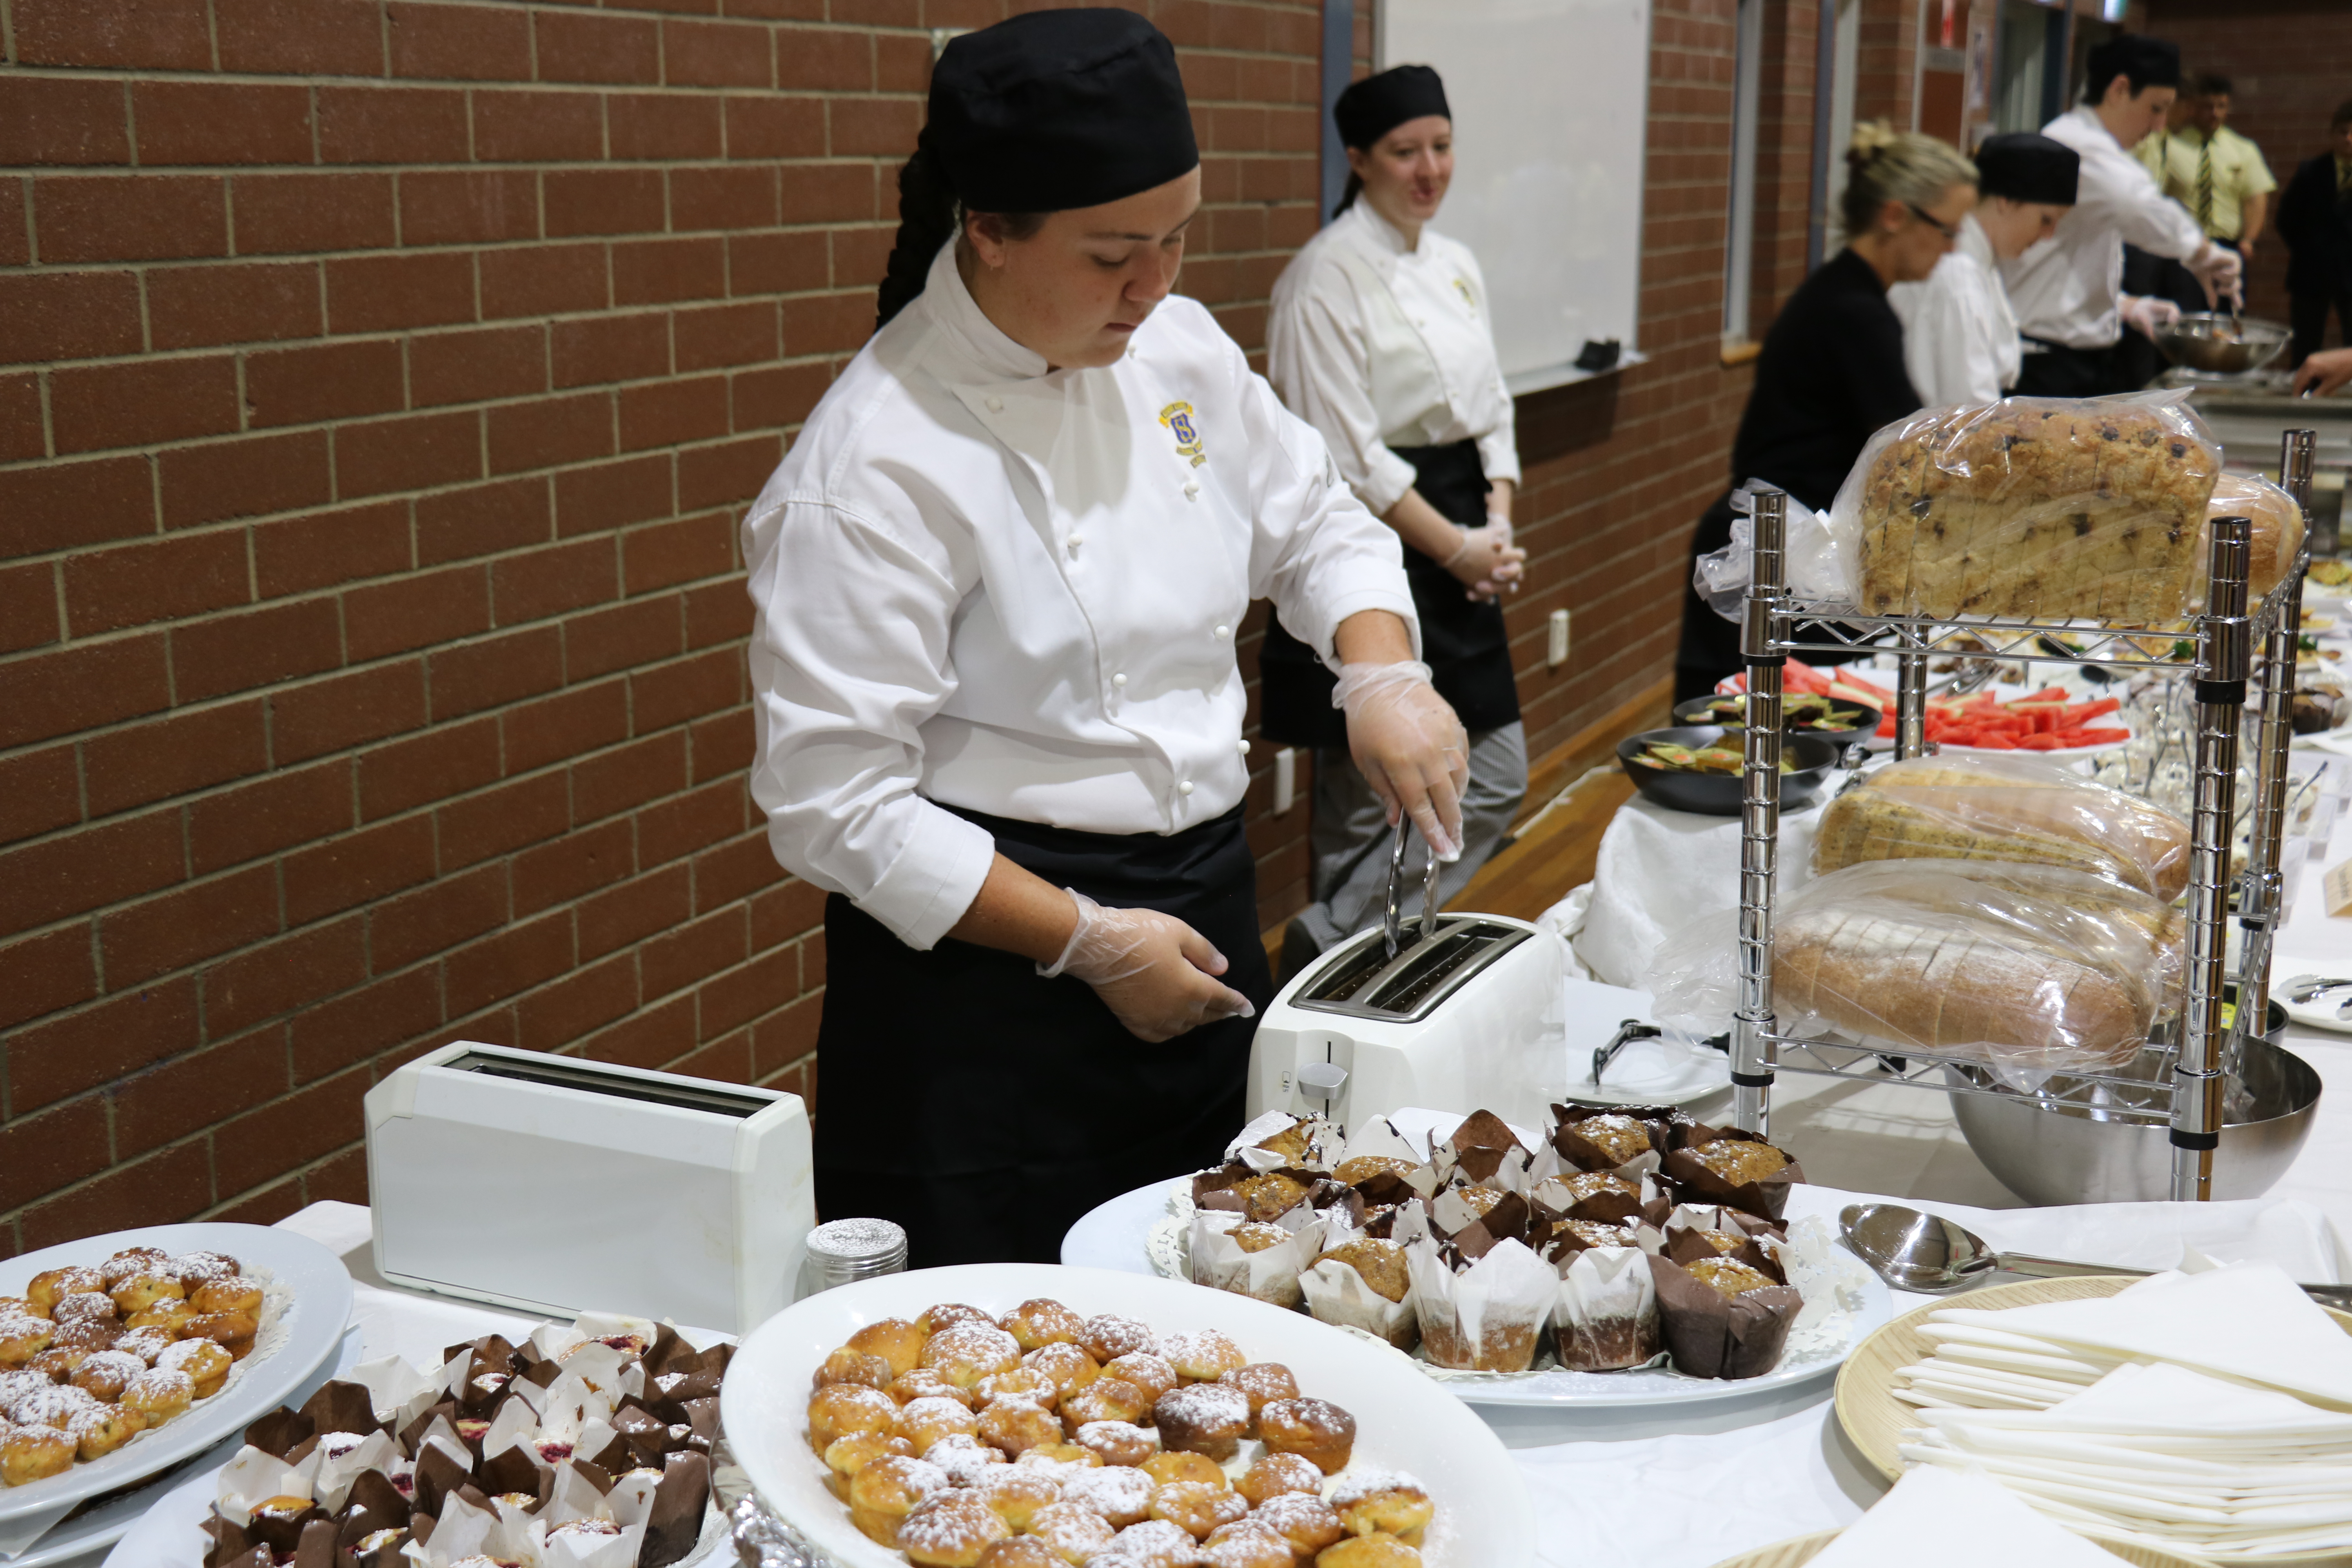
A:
2026,166
1057,109
2142,61
1370,109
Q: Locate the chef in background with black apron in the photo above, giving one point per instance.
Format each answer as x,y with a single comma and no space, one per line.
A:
999,717
1380,338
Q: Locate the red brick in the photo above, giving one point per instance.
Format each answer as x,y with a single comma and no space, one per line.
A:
634,910
678,958
331,548
408,454
567,725
781,914
16,248
726,475
716,612
308,37
99,1044
448,760
861,256
760,986
823,59
220,654
780,128
131,585
496,670
435,919
643,631
663,126
341,1179
169,756
325,878
72,315
459,524
52,879
221,122
611,495
772,399
386,293
196,307
549,581
728,196
139,403
678,828
723,743
84,687
614,780
470,366
571,866
222,479
266,815
785,1036
542,280
579,1001
349,1029
469,206
20,419
674,552
54,120
61,506
609,347
392,125
278,1138
575,48
45,973
652,1039
274,1202
673,412
548,431
188,925
725,335
162,1189
28,608
513,961
604,201
333,381
873,127
176,35
129,217
660,271
716,53
902,62
415,612
472,43
776,263
828,323
538,127
283,213
38,791
347,711
40,1154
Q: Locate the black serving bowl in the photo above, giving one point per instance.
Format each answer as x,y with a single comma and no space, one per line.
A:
1693,711
1813,761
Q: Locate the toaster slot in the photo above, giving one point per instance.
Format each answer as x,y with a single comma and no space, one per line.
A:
556,1072
1367,984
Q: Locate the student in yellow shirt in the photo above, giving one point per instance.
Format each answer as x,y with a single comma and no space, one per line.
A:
2218,175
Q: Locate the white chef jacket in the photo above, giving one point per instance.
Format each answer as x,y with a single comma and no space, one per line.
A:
982,583
1959,337
2065,288
1378,345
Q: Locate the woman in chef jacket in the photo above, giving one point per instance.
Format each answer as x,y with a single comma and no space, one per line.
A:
1380,338
1959,337
997,713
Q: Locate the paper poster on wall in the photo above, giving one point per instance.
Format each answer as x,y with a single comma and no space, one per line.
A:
1550,102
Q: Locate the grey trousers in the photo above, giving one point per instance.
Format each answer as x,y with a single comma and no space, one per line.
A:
1351,836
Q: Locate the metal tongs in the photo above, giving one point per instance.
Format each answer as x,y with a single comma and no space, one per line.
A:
1628,1031
2302,989
1393,906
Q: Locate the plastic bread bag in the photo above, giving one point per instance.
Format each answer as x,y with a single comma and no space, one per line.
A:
2274,541
1820,559
1364,1282
2010,808
2054,508
2032,970
1249,1258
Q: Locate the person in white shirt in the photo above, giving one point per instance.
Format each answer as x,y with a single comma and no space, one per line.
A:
997,713
1959,337
2067,291
1380,337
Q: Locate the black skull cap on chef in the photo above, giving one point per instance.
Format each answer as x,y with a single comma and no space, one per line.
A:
1370,109
1057,109
2026,166
2144,62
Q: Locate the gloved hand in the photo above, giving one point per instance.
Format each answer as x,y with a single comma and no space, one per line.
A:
2147,315
2220,269
1409,746
1152,971
2321,374
1487,563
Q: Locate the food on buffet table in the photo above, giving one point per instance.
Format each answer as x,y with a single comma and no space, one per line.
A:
588,1445
2272,541
2054,508
1799,710
2045,722
1699,759
2003,808
2329,574
1160,1489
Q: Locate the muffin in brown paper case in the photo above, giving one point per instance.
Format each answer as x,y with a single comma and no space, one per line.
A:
1749,1185
1710,1335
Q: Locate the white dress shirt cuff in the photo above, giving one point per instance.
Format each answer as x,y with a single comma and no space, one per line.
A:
1372,589
1499,454
935,878
1389,477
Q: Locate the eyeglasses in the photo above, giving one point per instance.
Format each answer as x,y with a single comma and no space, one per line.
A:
1932,221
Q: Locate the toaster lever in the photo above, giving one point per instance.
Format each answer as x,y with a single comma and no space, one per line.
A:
1630,1030
1321,1080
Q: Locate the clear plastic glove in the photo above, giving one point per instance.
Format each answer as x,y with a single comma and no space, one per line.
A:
2148,316
1486,562
2221,270
1409,746
2321,374
1152,971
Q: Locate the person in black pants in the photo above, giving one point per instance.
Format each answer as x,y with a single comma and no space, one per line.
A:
2316,220
1832,371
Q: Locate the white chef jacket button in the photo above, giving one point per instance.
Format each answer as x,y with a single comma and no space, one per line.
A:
1184,788
1244,748
1224,632
1118,680
1076,540
996,404
1192,490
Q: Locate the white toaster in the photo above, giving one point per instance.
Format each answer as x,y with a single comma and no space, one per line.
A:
551,1184
1473,1019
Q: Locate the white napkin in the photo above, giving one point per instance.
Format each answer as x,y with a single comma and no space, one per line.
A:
1916,1525
1658,870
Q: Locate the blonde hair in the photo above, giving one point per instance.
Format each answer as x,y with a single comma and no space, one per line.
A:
1884,164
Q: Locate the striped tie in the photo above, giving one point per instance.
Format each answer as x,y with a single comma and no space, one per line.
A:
2205,186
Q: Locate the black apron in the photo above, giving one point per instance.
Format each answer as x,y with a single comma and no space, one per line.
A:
986,1109
1463,643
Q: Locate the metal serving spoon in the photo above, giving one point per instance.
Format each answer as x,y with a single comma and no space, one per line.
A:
1935,1257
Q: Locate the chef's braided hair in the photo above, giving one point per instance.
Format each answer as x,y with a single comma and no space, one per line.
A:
929,216
1884,164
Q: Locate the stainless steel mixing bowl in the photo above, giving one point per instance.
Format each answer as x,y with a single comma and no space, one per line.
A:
2049,1153
2208,341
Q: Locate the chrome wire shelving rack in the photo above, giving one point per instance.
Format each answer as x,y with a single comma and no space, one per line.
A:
2232,643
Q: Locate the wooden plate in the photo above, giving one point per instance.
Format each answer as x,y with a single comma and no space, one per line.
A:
1874,1420
1802,1549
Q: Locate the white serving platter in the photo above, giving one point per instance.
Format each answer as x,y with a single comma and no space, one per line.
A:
1404,1421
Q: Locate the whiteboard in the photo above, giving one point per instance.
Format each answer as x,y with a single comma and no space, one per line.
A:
1550,102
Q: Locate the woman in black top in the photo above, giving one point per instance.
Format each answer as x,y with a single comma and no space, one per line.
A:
1832,371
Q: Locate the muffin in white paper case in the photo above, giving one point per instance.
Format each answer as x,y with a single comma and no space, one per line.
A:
1220,1259
1488,1317
1337,1292
1605,1313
